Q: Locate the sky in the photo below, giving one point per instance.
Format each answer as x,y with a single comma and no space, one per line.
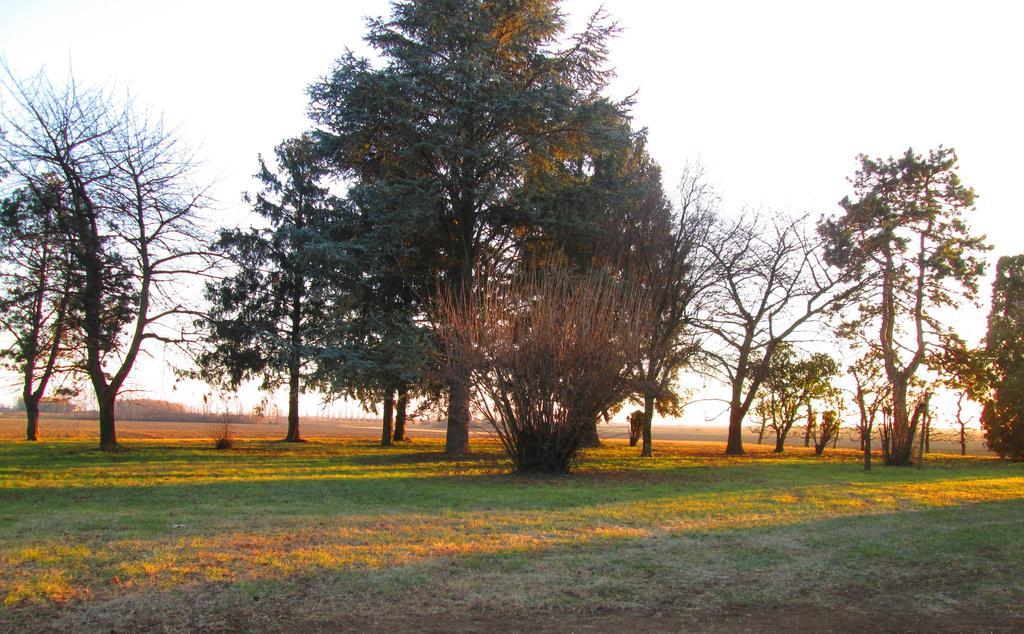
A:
774,99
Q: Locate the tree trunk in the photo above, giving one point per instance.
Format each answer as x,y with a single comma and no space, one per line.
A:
735,445
924,418
457,435
866,443
901,445
810,426
403,403
780,441
960,421
293,406
636,428
389,412
32,416
105,402
647,451
589,437
760,434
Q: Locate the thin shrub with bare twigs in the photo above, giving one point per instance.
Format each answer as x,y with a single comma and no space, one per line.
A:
547,352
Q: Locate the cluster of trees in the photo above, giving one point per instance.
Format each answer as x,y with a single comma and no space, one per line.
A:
472,223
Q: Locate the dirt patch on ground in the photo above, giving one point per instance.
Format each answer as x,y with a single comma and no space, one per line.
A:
782,618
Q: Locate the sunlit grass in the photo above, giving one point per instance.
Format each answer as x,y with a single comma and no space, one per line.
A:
81,527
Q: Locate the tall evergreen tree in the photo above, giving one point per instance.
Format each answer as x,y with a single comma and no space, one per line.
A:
264,315
1002,391
449,136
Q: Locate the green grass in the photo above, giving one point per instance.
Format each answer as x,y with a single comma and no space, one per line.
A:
174,535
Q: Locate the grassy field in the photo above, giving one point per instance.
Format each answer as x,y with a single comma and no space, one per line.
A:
171,535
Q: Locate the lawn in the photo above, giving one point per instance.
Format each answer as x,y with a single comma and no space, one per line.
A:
172,535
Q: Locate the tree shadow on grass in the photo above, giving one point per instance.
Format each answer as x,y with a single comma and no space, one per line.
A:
953,568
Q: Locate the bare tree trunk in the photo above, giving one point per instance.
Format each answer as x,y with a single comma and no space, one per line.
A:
293,406
105,402
926,433
400,414
780,441
589,437
866,443
636,428
32,416
457,436
389,413
760,434
901,444
735,445
810,426
960,421
647,451
923,445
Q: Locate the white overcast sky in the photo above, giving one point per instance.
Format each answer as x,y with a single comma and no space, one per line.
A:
774,98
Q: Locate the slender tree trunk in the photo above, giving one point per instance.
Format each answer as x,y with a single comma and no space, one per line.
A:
960,421
400,415
105,401
924,418
32,416
866,444
636,429
647,451
927,433
294,358
760,434
735,445
810,426
457,436
293,406
387,433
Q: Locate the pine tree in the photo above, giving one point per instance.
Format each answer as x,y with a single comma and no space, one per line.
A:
263,316
1002,416
453,142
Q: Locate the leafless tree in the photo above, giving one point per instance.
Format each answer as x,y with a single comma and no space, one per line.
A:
772,282
132,219
677,274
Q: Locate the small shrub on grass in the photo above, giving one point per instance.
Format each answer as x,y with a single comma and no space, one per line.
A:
547,353
224,439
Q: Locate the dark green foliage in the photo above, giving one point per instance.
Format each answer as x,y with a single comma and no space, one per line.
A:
462,144
35,294
1003,414
264,316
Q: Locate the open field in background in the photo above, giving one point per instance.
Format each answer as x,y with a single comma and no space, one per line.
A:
13,427
343,534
